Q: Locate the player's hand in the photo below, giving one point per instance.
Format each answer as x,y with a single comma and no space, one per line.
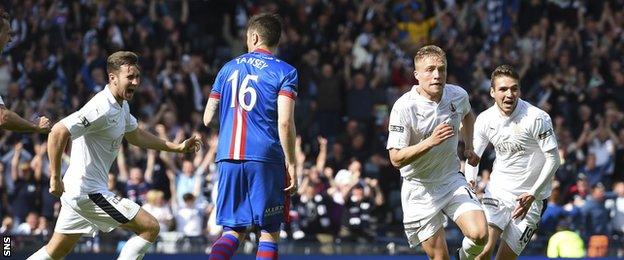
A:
524,204
43,125
473,185
193,144
56,187
441,133
291,184
471,157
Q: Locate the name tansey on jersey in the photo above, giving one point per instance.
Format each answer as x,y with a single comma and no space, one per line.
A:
258,63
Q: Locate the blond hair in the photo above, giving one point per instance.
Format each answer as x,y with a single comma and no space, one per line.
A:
153,195
429,51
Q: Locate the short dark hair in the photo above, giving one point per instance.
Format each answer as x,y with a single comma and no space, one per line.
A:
268,26
120,58
188,197
504,71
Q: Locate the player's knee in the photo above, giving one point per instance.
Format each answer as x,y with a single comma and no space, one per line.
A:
480,237
270,232
438,255
152,229
58,252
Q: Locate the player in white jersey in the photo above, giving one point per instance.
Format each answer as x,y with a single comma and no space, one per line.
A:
526,159
96,131
8,119
422,142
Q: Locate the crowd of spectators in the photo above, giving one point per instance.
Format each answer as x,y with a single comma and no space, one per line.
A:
354,59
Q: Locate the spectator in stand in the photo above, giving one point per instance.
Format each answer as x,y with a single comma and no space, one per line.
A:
358,219
156,205
136,185
617,220
25,194
565,243
597,222
29,226
189,219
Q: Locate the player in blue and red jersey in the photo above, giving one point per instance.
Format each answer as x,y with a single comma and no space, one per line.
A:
255,96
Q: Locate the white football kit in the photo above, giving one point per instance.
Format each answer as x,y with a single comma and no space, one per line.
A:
520,141
97,131
432,184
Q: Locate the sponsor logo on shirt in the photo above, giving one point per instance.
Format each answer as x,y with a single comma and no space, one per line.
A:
490,202
397,128
546,134
509,147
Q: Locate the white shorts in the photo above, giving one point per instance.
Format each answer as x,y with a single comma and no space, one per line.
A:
426,205
516,232
86,214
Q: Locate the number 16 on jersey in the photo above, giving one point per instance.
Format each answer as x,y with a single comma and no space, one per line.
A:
242,90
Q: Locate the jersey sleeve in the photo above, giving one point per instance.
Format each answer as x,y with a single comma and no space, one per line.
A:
1,102
464,103
83,121
217,86
131,121
289,85
398,129
544,134
480,140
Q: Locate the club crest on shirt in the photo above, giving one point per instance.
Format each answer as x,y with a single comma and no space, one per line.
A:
453,111
83,121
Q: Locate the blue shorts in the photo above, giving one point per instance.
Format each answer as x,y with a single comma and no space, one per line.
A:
251,193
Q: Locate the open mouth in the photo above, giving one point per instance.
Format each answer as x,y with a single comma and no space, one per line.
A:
130,91
508,102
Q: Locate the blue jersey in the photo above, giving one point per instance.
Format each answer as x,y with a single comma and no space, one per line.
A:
248,87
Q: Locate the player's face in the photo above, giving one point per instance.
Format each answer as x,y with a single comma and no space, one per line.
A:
506,93
127,81
431,75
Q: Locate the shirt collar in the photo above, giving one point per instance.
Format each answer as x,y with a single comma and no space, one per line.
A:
263,51
416,95
109,96
515,112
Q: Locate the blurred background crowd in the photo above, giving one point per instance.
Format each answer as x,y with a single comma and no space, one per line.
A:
354,59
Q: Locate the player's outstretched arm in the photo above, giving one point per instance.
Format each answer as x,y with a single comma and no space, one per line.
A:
144,139
479,143
287,135
209,113
467,135
405,156
548,170
9,120
57,140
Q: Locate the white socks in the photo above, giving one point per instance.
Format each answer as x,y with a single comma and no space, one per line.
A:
469,249
42,254
134,249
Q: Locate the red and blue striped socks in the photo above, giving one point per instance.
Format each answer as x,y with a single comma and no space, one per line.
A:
267,251
224,248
